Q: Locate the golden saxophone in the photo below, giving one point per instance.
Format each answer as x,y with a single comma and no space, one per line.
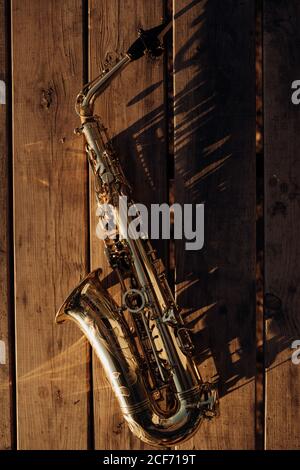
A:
143,345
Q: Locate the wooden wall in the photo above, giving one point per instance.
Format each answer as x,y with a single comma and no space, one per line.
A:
6,307
185,122
282,224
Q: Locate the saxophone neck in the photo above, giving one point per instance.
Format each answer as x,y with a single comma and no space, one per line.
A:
147,43
86,98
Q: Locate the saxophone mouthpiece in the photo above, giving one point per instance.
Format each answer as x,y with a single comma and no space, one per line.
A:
149,42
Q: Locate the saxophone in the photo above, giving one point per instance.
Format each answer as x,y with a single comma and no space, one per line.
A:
143,344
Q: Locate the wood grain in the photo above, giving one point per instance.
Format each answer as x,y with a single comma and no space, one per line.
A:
282,223
133,110
6,338
50,194
214,87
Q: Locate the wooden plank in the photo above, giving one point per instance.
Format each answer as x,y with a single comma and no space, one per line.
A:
282,223
214,86
133,110
6,422
50,194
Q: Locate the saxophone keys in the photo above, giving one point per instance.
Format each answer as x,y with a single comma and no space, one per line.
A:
134,300
169,317
184,340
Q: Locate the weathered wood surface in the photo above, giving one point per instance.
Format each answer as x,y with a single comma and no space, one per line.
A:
214,93
133,110
282,223
50,231
54,245
6,420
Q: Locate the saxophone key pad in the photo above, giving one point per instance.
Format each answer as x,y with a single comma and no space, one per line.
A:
134,300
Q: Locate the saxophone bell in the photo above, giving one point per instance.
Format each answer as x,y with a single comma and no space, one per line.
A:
95,312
